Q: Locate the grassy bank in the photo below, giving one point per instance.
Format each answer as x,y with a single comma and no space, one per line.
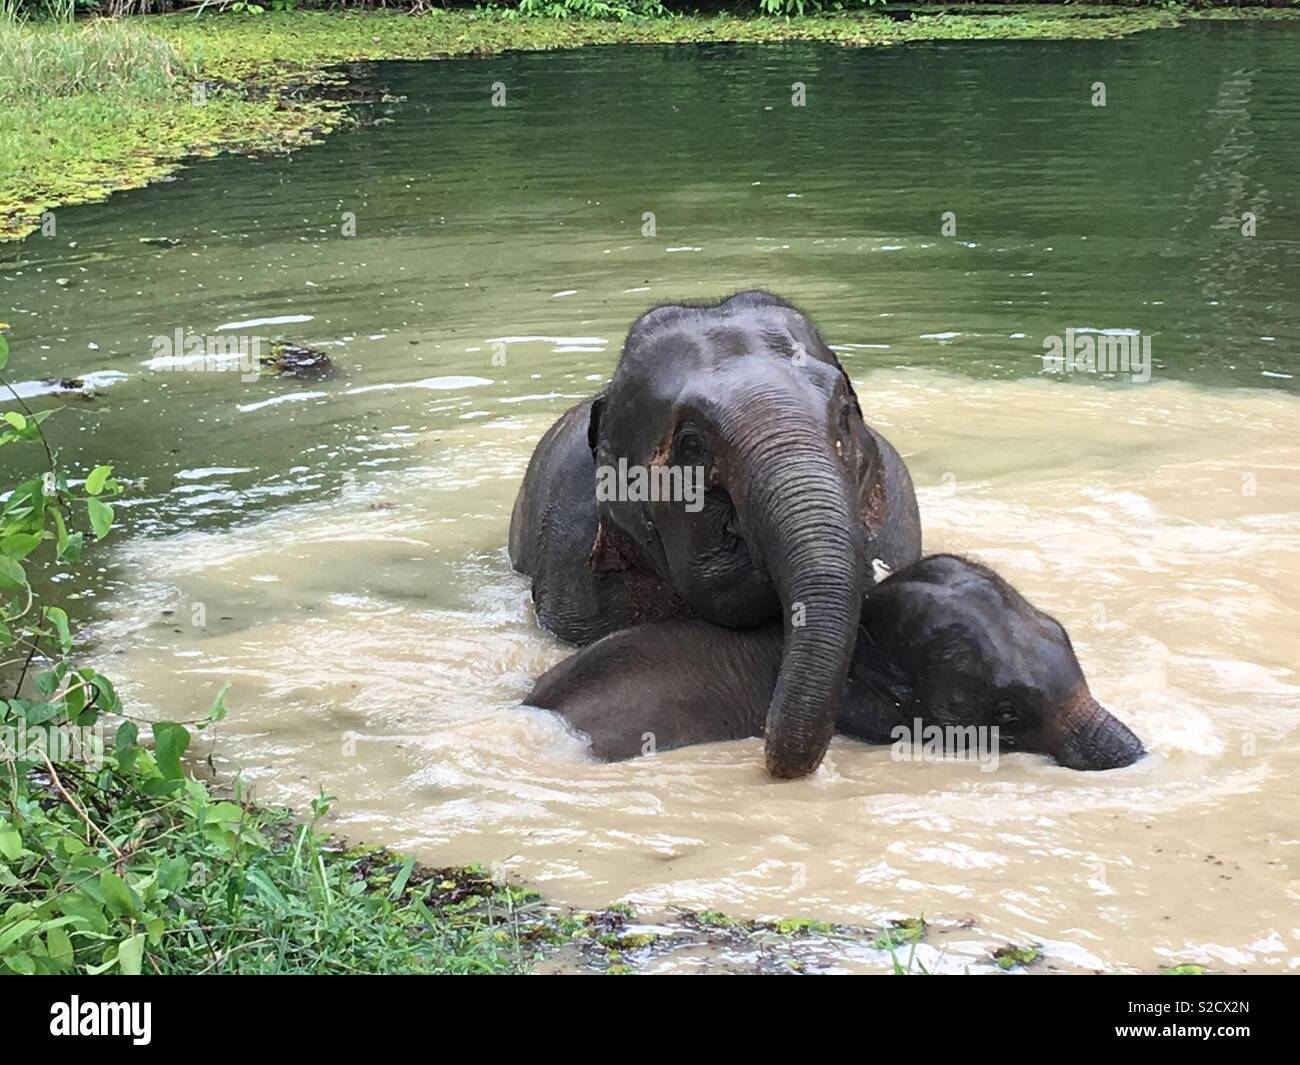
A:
89,109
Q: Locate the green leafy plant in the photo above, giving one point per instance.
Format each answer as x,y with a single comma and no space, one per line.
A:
619,10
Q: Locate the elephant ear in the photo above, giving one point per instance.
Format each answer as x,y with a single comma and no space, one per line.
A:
871,495
605,554
873,501
848,381
593,423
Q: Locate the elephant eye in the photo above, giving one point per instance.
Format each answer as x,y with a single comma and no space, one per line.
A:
1007,717
690,448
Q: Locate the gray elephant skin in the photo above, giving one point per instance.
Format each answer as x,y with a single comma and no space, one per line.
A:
799,498
945,641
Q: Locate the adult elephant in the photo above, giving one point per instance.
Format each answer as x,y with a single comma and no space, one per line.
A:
799,499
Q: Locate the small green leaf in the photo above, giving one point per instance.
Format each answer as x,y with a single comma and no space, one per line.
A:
20,545
15,419
130,955
169,742
83,906
15,932
173,873
61,530
26,505
267,889
399,884
75,699
117,895
217,712
125,746
59,617
11,844
105,694
97,479
39,713
101,517
154,927
70,552
4,351
12,575
59,947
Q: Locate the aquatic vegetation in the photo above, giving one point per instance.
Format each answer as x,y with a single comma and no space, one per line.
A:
1010,956
713,919
294,360
901,933
138,96
789,926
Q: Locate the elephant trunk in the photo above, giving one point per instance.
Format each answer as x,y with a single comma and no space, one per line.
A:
795,504
1091,737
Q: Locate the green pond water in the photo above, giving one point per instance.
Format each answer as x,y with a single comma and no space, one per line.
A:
345,537
476,222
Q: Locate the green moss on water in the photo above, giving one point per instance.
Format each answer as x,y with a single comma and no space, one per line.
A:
1009,957
267,79
80,149
789,926
713,919
901,933
627,941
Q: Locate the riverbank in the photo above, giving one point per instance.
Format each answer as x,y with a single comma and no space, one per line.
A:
271,83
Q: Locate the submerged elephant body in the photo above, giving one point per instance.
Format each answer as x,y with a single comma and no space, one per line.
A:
945,641
797,499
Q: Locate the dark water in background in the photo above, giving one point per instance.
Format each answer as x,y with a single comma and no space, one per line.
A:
472,219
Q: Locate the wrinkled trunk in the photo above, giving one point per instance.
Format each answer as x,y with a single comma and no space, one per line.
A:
1091,737
794,504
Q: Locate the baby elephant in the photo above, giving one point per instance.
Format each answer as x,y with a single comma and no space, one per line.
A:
945,641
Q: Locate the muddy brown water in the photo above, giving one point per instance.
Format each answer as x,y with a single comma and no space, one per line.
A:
336,549
1179,591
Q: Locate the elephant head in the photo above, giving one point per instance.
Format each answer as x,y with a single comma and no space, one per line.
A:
744,400
949,642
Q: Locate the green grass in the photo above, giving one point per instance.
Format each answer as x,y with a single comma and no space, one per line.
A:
111,105
101,57
189,883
